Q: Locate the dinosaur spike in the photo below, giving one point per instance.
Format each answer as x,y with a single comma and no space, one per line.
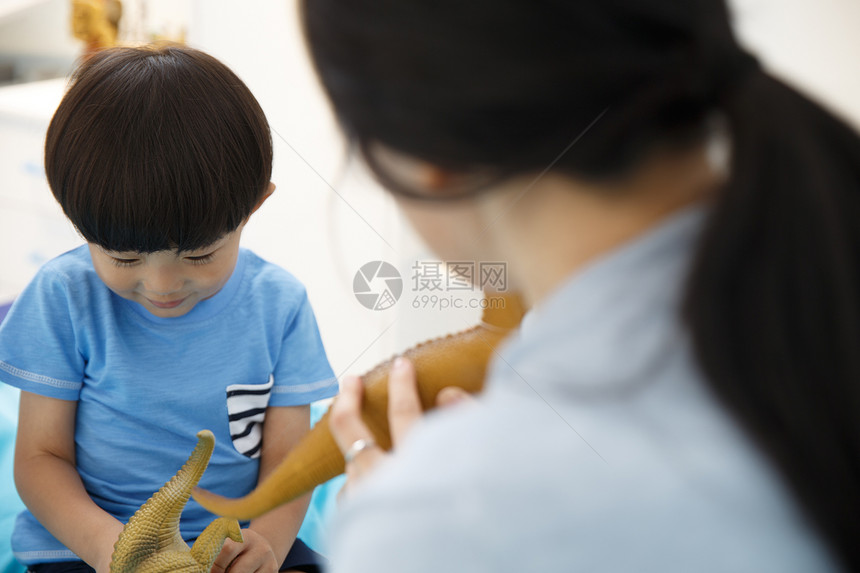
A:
458,359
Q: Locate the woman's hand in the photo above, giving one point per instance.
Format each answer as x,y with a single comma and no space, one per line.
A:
253,555
354,438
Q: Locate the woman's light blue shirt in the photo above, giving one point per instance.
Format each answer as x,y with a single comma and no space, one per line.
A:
596,448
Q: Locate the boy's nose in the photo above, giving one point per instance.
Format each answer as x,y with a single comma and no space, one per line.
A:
162,282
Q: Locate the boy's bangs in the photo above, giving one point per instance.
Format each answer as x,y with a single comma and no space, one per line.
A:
134,218
159,195
171,200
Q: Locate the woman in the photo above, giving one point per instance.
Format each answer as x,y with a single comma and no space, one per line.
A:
684,395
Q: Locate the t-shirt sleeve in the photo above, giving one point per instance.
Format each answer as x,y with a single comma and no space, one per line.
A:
38,347
303,374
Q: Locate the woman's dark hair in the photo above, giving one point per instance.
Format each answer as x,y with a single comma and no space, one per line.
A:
506,87
157,148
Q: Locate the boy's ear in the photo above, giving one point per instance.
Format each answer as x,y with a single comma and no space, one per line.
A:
268,193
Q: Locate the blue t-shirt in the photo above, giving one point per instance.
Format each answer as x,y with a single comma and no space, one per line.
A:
146,385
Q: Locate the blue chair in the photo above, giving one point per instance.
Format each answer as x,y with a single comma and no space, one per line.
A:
10,503
323,501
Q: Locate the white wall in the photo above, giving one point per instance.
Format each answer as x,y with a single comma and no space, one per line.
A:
812,44
32,226
36,28
327,218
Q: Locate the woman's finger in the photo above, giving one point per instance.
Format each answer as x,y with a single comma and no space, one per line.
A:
404,404
451,395
352,436
345,418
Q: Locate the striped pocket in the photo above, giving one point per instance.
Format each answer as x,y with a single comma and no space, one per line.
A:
246,406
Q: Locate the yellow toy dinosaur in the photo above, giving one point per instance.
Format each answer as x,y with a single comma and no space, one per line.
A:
455,360
151,542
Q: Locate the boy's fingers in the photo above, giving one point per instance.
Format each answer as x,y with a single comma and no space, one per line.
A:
225,558
404,404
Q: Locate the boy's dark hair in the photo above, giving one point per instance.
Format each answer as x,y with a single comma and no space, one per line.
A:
157,148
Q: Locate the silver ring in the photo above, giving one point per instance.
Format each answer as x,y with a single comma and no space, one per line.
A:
357,447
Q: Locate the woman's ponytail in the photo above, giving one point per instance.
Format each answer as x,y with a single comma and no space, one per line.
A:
774,298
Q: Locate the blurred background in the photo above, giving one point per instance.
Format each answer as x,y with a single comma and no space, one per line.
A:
327,218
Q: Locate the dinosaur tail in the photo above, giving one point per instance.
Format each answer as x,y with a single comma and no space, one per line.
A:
314,460
455,360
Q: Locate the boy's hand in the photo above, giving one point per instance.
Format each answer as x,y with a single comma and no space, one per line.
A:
109,536
254,555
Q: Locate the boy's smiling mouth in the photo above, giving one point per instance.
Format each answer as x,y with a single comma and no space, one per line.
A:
168,304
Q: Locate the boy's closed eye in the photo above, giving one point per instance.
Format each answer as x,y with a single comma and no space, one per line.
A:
123,261
200,259
127,261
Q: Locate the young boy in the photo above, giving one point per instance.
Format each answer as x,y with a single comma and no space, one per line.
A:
161,325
